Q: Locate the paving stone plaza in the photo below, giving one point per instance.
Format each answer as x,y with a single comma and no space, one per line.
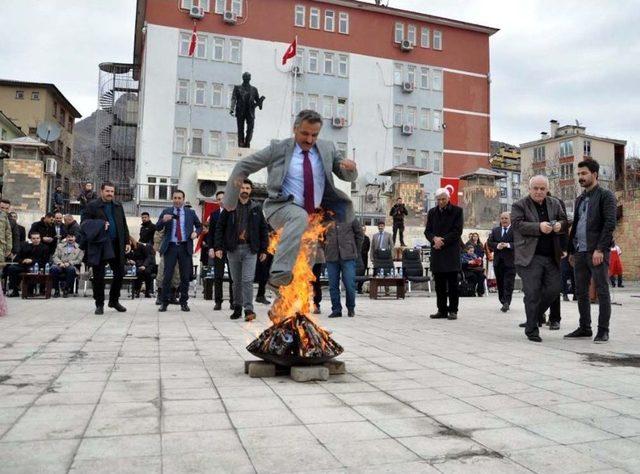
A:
149,392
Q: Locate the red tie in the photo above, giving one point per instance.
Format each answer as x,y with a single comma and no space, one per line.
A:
178,229
307,171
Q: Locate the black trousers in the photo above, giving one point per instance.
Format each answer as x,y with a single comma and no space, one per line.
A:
244,140
398,228
318,268
446,287
554,311
505,278
65,274
218,280
117,267
541,285
584,272
144,276
177,254
13,274
478,279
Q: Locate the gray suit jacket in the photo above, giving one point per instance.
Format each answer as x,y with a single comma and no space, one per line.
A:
277,158
526,228
377,242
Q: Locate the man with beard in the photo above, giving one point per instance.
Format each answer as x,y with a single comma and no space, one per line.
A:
218,263
47,231
147,229
589,246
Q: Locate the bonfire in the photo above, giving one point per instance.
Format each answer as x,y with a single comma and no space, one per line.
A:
294,337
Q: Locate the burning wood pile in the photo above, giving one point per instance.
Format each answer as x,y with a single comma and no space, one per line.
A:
294,339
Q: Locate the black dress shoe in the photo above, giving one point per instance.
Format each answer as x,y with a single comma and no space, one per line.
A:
522,325
249,315
13,294
56,294
99,310
163,307
438,315
602,337
237,312
185,307
117,306
580,332
452,315
505,308
217,306
554,326
565,298
263,300
534,338
351,313
158,300
335,314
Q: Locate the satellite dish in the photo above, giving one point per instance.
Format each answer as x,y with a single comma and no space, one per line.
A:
48,131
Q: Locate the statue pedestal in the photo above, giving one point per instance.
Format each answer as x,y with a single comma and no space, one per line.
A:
235,154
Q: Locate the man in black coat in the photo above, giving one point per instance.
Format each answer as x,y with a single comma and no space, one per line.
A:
85,197
589,246
443,230
143,256
218,263
364,252
29,254
71,226
398,211
147,229
111,212
501,242
47,231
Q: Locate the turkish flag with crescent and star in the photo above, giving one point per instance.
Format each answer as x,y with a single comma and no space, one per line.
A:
290,52
452,185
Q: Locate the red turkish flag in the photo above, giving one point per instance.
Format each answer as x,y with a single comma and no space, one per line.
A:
194,40
290,52
451,185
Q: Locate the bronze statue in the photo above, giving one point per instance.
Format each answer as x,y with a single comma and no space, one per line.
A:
244,100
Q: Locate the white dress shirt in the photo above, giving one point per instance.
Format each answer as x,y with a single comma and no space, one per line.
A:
293,183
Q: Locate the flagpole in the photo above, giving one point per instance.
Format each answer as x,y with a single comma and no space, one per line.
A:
192,94
295,83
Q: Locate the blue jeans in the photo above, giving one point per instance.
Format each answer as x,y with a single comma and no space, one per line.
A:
348,270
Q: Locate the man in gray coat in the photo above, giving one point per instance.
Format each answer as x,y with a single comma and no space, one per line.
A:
300,180
537,220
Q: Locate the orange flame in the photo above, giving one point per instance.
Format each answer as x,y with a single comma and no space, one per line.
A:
296,296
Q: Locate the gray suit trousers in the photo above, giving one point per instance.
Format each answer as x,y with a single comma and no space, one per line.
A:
541,283
293,220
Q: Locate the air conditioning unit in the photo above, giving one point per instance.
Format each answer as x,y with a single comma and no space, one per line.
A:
338,122
406,46
51,166
407,129
230,17
407,86
297,71
196,12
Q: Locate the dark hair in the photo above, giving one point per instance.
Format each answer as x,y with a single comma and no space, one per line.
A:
5,201
248,181
145,213
219,192
398,198
35,232
105,184
179,191
591,164
49,214
307,115
381,222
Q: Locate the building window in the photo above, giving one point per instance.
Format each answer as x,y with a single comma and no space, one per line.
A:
185,40
424,159
424,119
297,103
328,63
55,109
220,6
183,91
229,94
343,65
397,156
236,7
424,78
437,162
19,95
35,95
299,60
199,94
180,140
63,117
234,51
538,154
313,61
329,20
515,179
204,4
201,47
300,13
214,143
411,116
314,18
437,120
67,154
411,75
503,191
218,49
327,106
398,34
196,142
566,171
341,108
398,71
341,147
411,34
343,23
411,157
515,193
32,131
586,148
436,79
312,102
70,124
218,91
503,207
424,37
398,112
437,39
232,141
566,148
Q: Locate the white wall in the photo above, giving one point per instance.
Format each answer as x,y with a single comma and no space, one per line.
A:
156,133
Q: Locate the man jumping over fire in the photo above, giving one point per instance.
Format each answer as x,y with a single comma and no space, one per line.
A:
299,184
